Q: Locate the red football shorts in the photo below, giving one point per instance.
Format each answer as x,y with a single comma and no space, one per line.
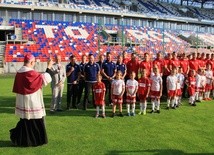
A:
171,93
116,99
154,94
130,99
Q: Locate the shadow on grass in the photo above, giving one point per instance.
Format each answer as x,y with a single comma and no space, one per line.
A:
91,112
5,143
7,104
7,110
155,152
85,113
7,101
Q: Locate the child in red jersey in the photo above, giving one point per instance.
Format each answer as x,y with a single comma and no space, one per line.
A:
143,91
191,83
99,95
131,90
117,91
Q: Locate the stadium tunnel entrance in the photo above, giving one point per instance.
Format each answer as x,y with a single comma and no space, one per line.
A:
6,34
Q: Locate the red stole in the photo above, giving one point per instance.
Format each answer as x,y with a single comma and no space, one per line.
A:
27,82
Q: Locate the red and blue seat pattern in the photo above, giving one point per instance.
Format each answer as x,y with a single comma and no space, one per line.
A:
47,38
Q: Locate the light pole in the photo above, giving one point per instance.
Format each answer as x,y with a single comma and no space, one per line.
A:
122,32
163,38
197,39
98,33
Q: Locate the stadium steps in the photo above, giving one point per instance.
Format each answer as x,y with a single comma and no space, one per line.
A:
195,41
185,38
104,34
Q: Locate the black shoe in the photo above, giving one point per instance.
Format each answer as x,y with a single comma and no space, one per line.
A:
112,115
158,111
96,116
167,108
121,115
103,116
152,111
84,107
74,107
59,110
174,107
193,104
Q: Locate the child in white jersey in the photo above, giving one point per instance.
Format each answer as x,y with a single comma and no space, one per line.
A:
131,90
171,84
200,85
197,85
117,91
156,89
203,84
209,81
180,86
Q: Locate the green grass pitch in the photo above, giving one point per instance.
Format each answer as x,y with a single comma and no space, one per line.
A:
186,130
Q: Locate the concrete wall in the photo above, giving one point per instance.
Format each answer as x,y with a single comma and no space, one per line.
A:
12,67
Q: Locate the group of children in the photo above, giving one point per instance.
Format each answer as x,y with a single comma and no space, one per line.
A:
199,87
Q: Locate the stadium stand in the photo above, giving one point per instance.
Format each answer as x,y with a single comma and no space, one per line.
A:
144,6
75,28
52,37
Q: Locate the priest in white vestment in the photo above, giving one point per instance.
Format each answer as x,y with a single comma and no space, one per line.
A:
30,130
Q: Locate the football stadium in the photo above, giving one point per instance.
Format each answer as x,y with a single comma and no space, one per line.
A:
169,43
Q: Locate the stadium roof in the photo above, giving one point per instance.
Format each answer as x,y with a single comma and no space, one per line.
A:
202,1
199,3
